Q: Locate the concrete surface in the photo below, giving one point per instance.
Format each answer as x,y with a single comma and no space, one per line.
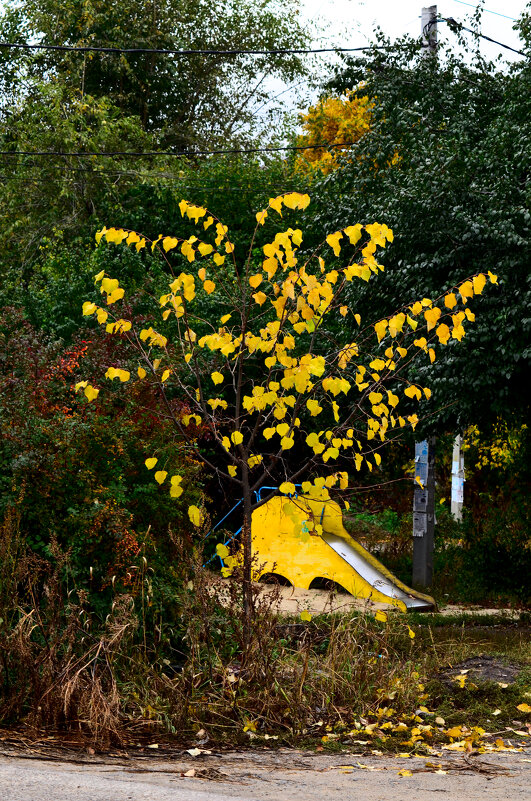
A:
264,776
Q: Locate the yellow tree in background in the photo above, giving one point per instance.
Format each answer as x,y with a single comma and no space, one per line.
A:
284,389
343,119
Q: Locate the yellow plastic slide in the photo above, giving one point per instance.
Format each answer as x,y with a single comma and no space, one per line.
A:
303,539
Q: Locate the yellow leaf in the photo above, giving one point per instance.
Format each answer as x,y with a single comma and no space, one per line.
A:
209,287
160,476
493,278
450,300
222,550
431,316
141,372
217,378
165,375
380,616
404,773
478,282
255,280
443,332
225,319
237,437
524,708
313,407
343,310
286,443
411,633
115,372
380,329
466,290
287,488
91,393
150,463
276,204
232,470
268,432
169,242
333,241
114,296
89,308
260,298
305,615
195,515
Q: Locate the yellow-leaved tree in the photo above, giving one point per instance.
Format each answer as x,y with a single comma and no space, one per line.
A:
336,123
287,367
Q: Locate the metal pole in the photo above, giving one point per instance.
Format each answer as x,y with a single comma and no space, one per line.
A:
424,513
458,479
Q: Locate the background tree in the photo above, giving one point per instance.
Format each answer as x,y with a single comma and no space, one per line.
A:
55,101
447,160
333,119
186,101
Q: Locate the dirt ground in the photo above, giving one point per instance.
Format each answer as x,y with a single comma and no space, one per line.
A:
293,601
264,776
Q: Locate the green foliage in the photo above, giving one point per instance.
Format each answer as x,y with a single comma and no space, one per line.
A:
74,474
446,164
184,100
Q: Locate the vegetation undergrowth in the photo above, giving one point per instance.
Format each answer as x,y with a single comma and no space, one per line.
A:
142,673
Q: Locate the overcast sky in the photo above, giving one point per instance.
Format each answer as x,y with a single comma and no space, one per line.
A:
351,22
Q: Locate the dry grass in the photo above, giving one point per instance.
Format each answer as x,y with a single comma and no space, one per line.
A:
63,668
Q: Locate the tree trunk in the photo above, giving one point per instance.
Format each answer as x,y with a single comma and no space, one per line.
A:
247,558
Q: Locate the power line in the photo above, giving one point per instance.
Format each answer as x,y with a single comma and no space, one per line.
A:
171,153
139,50
487,10
451,21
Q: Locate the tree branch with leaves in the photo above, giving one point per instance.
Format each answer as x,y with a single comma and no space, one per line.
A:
285,392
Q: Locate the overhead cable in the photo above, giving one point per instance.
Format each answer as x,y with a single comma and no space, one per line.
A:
485,10
451,21
175,52
171,153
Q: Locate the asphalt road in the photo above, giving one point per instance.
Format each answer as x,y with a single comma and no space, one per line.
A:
265,776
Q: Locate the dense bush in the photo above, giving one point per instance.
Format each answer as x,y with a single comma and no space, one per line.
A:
74,472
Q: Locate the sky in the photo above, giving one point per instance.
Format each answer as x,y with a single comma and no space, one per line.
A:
351,22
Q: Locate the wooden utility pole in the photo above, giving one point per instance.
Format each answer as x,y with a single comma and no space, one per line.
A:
424,496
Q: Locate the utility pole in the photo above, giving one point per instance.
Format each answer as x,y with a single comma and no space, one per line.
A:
429,29
458,479
424,493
